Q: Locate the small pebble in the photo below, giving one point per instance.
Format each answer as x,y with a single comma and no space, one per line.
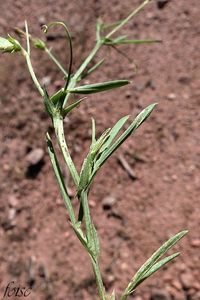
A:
186,280
42,20
161,3
12,200
92,203
176,284
124,266
174,177
110,278
138,298
66,234
171,96
108,202
196,286
77,148
70,192
59,201
58,84
11,214
6,167
128,94
176,294
35,156
160,295
195,243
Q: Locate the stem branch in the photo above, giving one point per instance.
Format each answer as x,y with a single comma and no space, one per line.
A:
127,19
59,130
32,73
82,67
94,260
54,59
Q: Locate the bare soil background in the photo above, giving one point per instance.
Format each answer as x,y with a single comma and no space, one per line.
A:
133,217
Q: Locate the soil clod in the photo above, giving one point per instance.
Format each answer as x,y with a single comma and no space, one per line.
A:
162,3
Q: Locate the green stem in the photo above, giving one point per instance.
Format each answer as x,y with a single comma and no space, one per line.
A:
32,73
88,60
88,220
54,59
99,281
94,260
46,28
59,130
27,39
82,67
124,296
98,45
131,15
60,180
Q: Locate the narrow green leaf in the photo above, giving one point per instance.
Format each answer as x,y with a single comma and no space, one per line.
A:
96,147
98,87
58,97
93,241
122,40
49,106
85,174
94,68
153,263
157,255
155,267
116,41
59,178
91,70
79,233
113,133
112,25
160,264
71,107
135,124
147,41
87,167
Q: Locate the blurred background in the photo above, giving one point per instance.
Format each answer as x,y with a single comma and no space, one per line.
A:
134,211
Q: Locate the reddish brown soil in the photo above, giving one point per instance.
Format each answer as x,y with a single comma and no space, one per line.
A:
38,245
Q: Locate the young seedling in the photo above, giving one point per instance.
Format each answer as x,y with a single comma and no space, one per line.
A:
101,148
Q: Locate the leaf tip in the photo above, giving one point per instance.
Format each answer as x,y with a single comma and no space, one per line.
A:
184,232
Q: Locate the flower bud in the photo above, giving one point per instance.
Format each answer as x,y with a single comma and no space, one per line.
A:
39,44
9,45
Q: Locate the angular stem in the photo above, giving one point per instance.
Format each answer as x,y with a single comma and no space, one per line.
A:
59,130
124,296
54,59
94,260
130,16
98,45
60,179
99,281
82,67
32,73
88,60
